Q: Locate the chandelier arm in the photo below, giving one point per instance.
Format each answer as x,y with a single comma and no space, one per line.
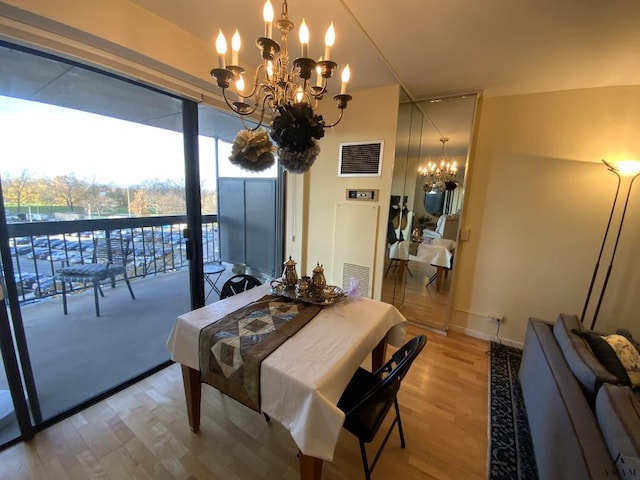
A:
255,81
260,121
250,129
337,121
236,109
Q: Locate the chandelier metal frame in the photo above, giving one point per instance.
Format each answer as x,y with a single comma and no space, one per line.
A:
275,84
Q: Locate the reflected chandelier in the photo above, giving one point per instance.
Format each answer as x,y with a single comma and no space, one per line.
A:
444,172
277,86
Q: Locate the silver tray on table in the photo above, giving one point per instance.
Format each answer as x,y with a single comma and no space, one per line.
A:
327,296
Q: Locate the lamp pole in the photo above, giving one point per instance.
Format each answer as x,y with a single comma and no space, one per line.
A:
604,240
615,247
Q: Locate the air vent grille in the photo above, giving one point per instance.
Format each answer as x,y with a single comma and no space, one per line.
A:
360,273
361,159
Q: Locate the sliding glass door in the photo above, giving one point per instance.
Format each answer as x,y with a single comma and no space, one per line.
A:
90,159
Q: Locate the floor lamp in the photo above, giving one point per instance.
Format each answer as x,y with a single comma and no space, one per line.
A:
629,168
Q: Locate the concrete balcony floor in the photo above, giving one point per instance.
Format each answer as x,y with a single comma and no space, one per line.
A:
78,356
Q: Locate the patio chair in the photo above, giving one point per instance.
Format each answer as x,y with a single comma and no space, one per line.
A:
369,396
109,260
237,284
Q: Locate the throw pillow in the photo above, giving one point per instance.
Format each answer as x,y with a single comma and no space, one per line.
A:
628,355
607,356
627,334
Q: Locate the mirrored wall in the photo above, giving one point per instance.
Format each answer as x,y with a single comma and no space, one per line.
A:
425,207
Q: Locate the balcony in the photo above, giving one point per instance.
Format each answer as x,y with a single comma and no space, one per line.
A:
79,356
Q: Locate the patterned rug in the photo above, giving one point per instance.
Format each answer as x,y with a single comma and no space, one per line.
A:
510,449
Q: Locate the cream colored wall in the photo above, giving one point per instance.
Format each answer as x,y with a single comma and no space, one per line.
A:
537,206
372,115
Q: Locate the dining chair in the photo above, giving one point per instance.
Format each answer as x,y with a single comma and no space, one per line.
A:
238,283
369,397
401,234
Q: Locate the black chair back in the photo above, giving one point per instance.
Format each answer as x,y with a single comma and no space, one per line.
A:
390,375
237,284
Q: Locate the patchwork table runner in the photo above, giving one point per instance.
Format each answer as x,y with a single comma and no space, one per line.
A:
232,348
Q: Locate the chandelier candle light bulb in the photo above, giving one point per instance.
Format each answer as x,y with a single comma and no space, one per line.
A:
304,39
329,38
235,48
267,14
346,74
319,74
221,48
240,88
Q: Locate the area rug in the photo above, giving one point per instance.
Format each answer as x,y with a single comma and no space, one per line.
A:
510,449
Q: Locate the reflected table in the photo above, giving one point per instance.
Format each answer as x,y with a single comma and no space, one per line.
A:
439,253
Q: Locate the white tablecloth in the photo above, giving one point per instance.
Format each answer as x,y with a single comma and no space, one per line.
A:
302,381
439,252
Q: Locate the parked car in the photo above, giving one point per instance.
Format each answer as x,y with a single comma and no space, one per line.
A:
46,285
39,252
20,249
56,255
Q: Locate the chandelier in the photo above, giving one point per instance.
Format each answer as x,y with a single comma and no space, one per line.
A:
277,86
439,173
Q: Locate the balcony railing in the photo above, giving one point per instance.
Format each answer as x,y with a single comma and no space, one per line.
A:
157,246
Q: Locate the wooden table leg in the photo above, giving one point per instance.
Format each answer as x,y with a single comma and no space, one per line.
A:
310,467
439,278
192,393
379,354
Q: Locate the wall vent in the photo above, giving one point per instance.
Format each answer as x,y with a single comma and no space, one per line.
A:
360,273
360,159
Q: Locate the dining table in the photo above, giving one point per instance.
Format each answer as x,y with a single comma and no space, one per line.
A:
301,380
437,252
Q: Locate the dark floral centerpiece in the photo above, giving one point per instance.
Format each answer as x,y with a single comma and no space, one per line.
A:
295,130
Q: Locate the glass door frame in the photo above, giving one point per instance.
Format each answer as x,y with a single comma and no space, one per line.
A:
16,358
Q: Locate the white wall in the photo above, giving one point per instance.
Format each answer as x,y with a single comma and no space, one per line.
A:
537,206
372,115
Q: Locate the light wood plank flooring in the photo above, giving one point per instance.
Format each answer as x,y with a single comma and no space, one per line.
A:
142,432
422,305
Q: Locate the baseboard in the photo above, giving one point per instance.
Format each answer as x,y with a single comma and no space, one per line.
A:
485,336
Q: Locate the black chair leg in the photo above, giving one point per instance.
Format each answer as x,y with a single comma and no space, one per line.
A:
126,279
400,431
95,294
64,298
365,462
266,417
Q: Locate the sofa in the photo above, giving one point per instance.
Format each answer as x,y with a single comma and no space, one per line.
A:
584,423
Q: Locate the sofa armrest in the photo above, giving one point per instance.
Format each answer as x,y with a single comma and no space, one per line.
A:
566,437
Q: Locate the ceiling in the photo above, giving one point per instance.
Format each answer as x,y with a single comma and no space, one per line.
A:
497,47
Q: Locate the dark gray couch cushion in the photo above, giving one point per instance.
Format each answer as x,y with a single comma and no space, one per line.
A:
585,366
618,413
566,438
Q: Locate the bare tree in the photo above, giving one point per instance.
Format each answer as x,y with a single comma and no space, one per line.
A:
69,188
19,190
97,194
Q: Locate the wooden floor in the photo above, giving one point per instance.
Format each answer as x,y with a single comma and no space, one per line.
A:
422,305
142,432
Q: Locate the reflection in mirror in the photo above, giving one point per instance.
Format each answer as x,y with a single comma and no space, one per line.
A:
401,204
428,181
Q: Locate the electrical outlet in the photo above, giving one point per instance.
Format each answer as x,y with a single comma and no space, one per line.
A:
495,318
